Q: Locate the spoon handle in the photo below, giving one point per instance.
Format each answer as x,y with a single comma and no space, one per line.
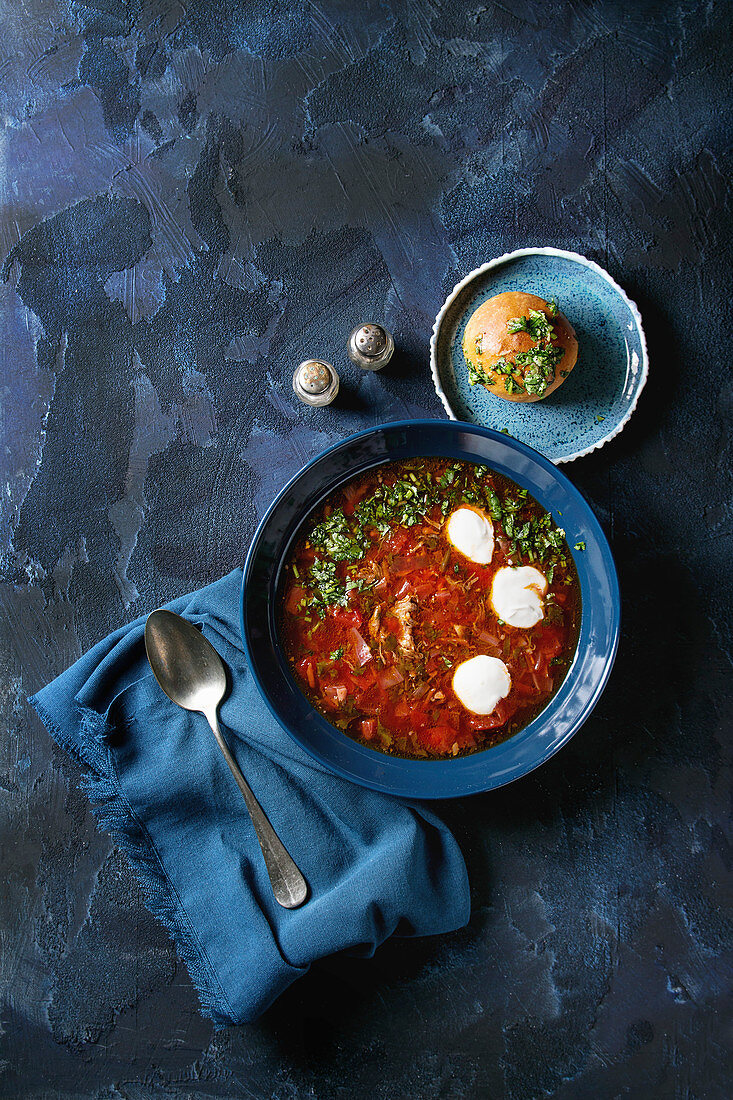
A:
288,885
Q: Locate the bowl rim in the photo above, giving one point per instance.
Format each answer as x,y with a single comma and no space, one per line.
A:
543,250
518,770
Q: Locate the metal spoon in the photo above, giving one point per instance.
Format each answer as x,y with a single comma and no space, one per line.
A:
192,674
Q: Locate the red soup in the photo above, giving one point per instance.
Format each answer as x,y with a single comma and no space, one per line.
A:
430,608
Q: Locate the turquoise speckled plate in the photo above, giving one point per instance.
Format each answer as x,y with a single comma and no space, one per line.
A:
597,399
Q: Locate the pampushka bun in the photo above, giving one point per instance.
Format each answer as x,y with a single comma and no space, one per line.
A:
519,346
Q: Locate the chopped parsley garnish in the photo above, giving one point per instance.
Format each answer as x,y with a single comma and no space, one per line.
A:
357,585
494,504
535,538
539,357
478,374
579,546
326,588
536,324
336,536
540,366
405,503
337,654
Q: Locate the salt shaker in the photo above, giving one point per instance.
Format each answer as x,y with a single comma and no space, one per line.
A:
316,382
370,346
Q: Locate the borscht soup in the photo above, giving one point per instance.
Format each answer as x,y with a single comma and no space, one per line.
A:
430,608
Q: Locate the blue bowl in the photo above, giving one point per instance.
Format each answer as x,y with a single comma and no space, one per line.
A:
490,768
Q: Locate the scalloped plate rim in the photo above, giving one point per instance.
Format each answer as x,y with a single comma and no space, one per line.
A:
544,251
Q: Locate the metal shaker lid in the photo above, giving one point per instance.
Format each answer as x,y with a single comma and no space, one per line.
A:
370,346
316,382
371,340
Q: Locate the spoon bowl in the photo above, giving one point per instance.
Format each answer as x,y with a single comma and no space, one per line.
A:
184,662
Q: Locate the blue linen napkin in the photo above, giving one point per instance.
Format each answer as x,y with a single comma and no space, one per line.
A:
375,865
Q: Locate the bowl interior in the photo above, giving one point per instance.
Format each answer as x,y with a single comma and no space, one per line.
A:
488,768
599,395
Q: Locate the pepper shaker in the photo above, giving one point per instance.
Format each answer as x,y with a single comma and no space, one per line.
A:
316,382
370,346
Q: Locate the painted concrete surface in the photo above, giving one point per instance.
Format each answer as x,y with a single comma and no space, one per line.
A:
193,199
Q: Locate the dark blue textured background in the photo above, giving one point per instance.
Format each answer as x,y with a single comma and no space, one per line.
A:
196,197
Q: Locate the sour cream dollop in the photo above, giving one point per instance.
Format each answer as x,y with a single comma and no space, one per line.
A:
482,682
471,533
517,595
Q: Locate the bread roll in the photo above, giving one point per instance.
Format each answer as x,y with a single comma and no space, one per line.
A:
519,347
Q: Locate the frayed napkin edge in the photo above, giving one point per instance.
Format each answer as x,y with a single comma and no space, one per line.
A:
113,815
